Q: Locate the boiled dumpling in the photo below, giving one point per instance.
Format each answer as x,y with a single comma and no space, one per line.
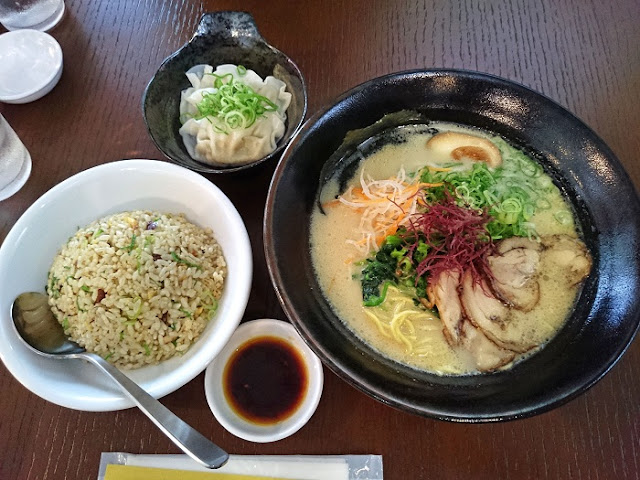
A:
209,139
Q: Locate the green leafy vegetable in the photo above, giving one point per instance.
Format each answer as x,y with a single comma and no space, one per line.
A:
378,270
393,264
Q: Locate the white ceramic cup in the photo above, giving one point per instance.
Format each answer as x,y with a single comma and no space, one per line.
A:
33,14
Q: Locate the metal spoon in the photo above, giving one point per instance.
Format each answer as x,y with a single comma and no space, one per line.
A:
43,334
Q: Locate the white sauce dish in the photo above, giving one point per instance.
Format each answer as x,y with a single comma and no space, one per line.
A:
266,382
30,65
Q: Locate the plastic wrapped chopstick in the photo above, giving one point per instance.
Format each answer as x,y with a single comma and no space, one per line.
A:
300,467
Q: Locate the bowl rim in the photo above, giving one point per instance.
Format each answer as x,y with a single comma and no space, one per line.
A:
45,82
554,400
165,382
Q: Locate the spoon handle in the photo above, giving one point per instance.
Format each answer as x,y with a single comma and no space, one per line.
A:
191,442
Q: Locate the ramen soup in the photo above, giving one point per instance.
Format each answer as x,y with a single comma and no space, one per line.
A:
448,250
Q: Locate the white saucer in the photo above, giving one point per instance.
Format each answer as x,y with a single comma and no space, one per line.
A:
18,182
30,65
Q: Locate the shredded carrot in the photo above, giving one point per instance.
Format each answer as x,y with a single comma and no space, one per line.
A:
384,205
438,169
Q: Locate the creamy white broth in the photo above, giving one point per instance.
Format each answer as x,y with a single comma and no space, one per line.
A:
335,265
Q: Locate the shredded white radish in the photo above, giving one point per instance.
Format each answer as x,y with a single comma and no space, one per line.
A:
385,205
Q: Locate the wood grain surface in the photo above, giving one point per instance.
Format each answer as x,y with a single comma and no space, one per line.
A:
583,54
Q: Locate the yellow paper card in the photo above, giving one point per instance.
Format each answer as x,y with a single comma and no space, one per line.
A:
127,472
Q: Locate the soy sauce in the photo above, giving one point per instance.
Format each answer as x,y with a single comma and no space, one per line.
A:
265,380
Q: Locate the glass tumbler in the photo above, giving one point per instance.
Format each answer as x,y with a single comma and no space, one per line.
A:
35,14
15,161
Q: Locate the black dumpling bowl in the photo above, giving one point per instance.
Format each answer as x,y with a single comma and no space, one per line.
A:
606,315
221,38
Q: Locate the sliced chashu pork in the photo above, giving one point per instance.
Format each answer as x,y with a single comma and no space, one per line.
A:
444,293
503,246
570,254
491,315
460,331
513,269
486,354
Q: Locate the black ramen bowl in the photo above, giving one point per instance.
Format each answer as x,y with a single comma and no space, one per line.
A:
606,315
221,38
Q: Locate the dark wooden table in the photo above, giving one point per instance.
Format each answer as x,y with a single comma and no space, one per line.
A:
583,54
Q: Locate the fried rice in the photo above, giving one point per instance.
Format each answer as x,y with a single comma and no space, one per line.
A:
137,287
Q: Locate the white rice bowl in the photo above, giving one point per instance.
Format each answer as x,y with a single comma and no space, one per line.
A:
30,247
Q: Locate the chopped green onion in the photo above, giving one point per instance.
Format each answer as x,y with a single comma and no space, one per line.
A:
147,350
212,307
527,211
55,292
84,288
511,193
510,210
80,309
530,169
544,182
148,241
233,105
219,81
241,70
490,197
175,256
209,303
562,217
543,204
134,316
131,245
219,129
